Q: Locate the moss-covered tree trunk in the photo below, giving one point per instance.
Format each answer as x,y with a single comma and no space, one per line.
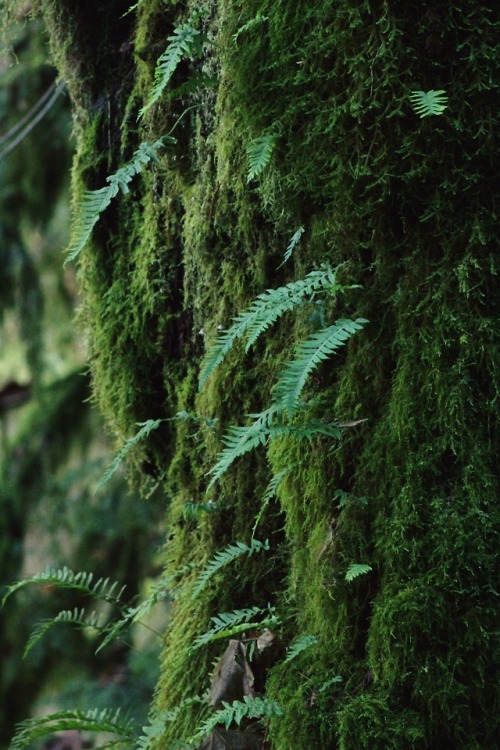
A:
408,206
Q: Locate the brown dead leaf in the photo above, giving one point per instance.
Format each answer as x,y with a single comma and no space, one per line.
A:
265,639
233,677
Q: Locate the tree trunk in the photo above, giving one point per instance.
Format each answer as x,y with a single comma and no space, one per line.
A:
407,206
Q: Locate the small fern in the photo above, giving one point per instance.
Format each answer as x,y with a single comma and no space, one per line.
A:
96,201
355,569
318,347
258,20
107,720
76,616
259,154
292,245
270,492
156,727
235,712
224,557
146,429
229,624
426,103
264,311
103,589
300,645
186,41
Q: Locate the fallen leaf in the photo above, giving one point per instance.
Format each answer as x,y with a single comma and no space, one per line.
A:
233,677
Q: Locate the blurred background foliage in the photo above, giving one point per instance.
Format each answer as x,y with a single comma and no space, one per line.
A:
52,446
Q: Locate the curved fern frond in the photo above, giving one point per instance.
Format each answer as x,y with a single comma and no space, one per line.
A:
224,557
270,492
156,727
74,617
106,720
259,154
258,20
103,589
229,624
94,202
426,103
318,347
356,569
184,42
292,245
300,645
235,712
265,310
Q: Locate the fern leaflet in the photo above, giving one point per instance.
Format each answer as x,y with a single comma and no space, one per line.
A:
224,557
426,103
259,153
258,20
76,617
292,245
318,347
103,588
265,310
254,708
146,429
184,42
96,201
300,645
106,720
270,492
356,569
228,624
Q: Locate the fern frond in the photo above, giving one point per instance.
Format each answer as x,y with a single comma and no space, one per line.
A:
146,429
270,492
95,720
259,154
265,310
318,347
94,202
74,617
184,42
235,712
156,727
300,645
258,20
103,589
229,624
426,103
292,245
355,569
224,557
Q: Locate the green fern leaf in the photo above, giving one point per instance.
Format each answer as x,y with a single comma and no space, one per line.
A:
224,557
184,42
265,310
426,103
300,645
258,20
270,492
74,617
355,570
235,712
318,347
64,578
259,153
229,624
146,428
106,720
96,201
292,245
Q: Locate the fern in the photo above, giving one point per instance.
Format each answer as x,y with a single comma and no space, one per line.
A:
96,201
75,617
259,154
102,589
156,727
146,429
300,645
265,310
224,557
355,569
426,103
270,492
184,42
229,624
292,245
318,347
235,712
258,20
106,720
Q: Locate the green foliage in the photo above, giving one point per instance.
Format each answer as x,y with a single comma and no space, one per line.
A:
235,712
292,245
186,41
77,616
229,624
426,103
146,429
103,589
300,645
259,153
224,557
356,569
96,201
258,20
106,721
